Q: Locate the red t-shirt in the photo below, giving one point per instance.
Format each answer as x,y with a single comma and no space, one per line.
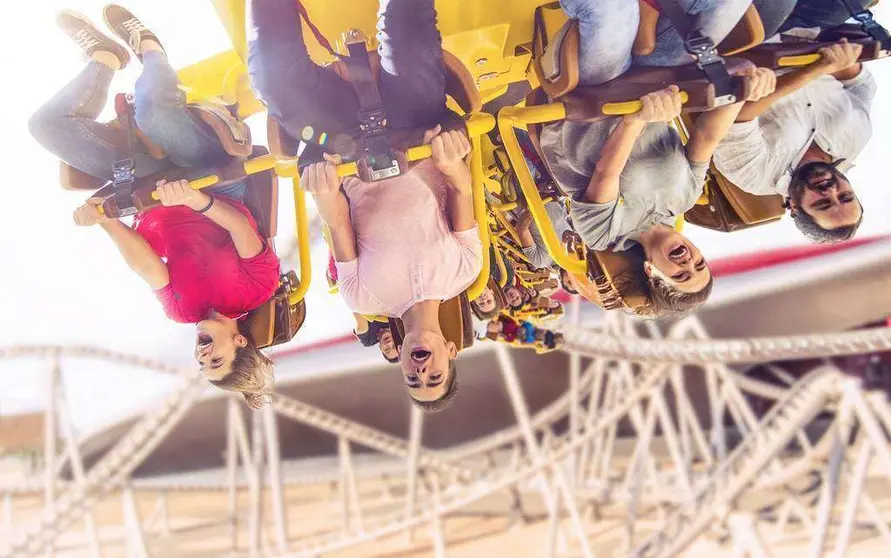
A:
205,270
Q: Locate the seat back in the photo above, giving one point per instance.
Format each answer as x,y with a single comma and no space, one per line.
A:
555,50
731,209
748,33
277,321
455,321
615,275
261,198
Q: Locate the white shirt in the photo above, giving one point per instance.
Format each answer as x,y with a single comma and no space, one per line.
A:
760,156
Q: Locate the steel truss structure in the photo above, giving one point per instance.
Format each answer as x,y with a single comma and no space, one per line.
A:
632,436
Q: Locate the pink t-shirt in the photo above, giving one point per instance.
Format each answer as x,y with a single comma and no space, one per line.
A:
407,251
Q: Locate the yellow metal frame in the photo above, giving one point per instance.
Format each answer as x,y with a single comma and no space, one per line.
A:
477,125
509,119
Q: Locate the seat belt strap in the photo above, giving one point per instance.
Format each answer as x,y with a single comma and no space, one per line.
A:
868,23
382,160
124,170
301,9
702,48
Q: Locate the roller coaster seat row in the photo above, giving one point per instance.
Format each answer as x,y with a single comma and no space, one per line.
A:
602,277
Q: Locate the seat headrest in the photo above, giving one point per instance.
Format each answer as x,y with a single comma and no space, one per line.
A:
616,276
555,50
454,320
553,54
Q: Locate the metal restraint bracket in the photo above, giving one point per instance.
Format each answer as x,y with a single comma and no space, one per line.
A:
868,23
703,49
712,65
380,161
124,169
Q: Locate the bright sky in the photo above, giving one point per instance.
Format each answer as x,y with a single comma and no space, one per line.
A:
67,285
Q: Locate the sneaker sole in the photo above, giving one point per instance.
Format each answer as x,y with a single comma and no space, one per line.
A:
120,51
112,27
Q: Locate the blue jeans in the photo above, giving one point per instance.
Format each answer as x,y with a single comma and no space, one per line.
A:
66,125
824,14
300,93
608,29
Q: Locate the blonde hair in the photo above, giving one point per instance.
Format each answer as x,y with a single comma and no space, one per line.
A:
251,374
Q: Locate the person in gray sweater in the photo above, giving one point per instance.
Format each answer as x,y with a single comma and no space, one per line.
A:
629,178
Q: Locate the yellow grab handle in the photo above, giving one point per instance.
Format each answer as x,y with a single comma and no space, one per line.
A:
632,107
196,184
798,61
478,125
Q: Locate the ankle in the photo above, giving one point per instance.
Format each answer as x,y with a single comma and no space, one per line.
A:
149,45
107,59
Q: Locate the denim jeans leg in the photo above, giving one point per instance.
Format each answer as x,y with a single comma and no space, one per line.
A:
607,31
296,90
66,126
162,115
717,18
413,74
824,14
773,14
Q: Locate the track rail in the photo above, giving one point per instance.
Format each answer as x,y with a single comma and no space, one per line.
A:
742,467
113,469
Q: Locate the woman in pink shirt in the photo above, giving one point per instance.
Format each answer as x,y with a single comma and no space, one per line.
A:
401,247
405,244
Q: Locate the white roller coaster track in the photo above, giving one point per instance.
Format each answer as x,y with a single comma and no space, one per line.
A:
607,403
803,402
114,468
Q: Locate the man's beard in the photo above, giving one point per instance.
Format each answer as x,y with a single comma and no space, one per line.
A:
804,177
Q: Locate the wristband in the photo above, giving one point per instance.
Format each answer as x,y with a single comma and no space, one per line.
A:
206,207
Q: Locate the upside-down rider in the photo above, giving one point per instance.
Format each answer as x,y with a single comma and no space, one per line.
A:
799,141
630,177
404,244
199,252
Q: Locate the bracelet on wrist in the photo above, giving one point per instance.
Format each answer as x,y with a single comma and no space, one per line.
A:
206,207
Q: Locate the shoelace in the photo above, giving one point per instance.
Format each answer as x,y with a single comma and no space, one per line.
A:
135,28
85,39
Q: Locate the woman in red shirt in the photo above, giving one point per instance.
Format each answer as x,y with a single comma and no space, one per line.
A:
200,252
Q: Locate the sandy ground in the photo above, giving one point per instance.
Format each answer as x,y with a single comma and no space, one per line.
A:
199,526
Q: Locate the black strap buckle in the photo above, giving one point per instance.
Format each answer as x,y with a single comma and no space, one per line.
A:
873,28
712,65
372,120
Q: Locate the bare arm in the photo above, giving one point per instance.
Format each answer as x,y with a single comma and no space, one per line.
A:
523,227
712,126
246,240
335,212
449,150
786,85
461,210
604,184
838,60
138,254
135,249
322,182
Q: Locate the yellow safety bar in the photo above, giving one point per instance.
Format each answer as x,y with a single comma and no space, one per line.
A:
631,107
798,61
302,244
510,118
477,125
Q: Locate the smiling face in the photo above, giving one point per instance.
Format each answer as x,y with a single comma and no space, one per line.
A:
215,347
513,296
486,301
825,194
677,261
425,359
